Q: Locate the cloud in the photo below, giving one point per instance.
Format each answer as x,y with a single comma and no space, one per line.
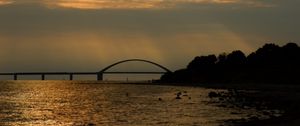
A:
145,4
103,4
5,2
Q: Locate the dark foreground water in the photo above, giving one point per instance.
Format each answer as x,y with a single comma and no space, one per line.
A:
78,103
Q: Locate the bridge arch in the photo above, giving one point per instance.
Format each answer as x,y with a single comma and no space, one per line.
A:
100,73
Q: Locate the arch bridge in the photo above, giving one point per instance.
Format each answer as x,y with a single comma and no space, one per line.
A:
99,73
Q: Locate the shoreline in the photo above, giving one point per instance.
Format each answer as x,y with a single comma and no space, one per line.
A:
285,98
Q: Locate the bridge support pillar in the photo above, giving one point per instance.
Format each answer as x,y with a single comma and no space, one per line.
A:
43,76
99,76
71,76
15,76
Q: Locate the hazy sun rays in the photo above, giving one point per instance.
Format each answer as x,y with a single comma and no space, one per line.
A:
86,51
100,48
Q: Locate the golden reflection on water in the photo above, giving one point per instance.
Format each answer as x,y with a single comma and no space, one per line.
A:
53,102
84,103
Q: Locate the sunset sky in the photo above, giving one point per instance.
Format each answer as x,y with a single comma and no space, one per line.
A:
87,35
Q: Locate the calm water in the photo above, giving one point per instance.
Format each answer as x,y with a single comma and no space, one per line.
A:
77,103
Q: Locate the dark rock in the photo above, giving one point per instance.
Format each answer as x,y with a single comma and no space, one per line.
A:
213,94
178,97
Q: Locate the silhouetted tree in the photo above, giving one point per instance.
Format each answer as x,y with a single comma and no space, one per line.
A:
267,55
269,64
291,53
236,58
222,59
202,62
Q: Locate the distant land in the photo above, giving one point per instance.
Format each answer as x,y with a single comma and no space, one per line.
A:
270,64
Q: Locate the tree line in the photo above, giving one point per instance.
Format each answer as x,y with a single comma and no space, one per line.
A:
268,64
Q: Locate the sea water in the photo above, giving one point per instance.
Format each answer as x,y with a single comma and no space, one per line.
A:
90,103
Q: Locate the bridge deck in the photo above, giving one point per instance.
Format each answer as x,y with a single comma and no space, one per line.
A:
77,73
71,74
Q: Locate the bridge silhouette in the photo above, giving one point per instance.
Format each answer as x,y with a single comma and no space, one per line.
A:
99,73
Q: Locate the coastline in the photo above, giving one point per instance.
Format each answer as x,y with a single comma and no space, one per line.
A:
281,97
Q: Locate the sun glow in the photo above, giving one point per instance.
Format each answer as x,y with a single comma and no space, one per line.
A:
132,4
104,4
141,4
5,2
